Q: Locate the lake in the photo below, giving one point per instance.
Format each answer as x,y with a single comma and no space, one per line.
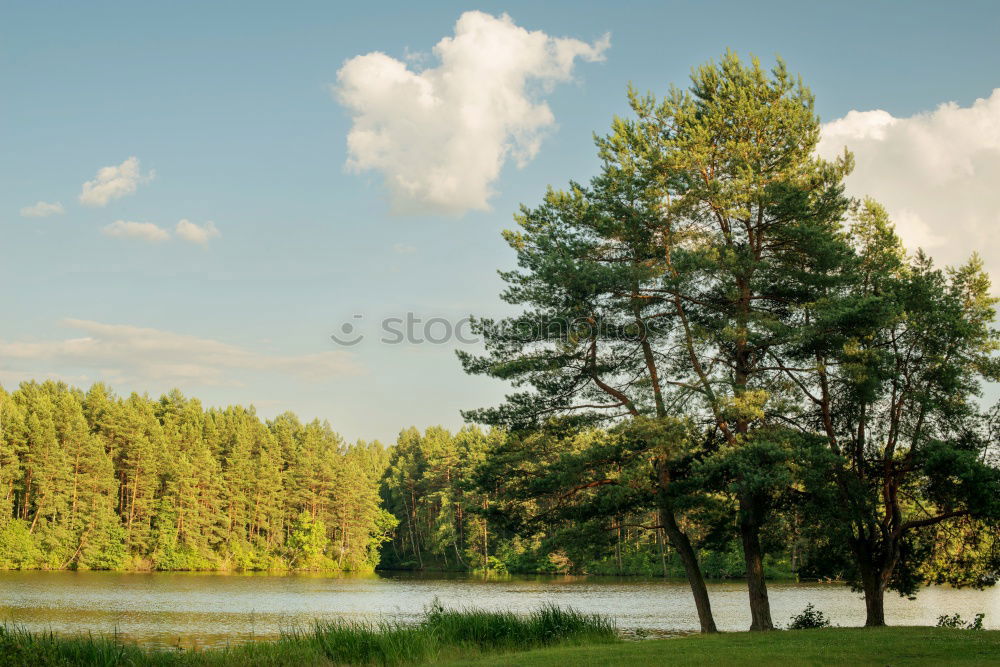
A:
208,609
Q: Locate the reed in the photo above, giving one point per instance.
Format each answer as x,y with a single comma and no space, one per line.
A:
441,633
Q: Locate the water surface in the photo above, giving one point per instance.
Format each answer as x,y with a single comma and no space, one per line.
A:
211,609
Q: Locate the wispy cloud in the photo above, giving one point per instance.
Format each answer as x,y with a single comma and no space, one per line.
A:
150,358
144,231
42,210
403,249
114,182
936,172
440,136
153,233
193,233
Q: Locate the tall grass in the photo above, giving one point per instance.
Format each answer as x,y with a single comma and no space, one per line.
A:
440,633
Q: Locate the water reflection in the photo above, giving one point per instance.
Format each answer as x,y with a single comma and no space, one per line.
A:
211,609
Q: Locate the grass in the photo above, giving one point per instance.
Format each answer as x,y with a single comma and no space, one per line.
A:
827,646
440,635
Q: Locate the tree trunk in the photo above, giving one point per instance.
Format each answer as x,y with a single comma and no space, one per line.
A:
874,578
872,584
760,606
699,591
874,602
618,545
486,544
663,552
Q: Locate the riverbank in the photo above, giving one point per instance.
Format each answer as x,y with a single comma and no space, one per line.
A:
560,639
441,634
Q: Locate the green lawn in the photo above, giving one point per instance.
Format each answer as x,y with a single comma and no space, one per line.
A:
834,646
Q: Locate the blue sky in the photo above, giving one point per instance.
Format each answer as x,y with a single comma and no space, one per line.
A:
230,106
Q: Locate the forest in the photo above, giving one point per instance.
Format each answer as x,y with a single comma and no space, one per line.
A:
94,481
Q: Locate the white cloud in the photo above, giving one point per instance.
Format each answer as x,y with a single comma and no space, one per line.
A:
403,249
114,183
151,358
441,135
145,231
938,174
189,231
42,210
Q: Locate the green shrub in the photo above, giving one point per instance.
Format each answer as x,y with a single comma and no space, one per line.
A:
307,543
808,619
106,551
955,621
17,546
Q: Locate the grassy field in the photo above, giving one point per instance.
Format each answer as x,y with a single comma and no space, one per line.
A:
554,637
829,646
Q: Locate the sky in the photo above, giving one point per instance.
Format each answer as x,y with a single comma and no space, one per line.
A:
200,194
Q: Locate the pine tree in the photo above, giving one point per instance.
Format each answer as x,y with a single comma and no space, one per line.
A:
134,437
91,521
666,287
11,449
891,369
45,497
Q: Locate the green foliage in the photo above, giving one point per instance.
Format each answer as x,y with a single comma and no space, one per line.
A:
106,550
962,552
93,481
17,546
184,558
955,621
307,541
530,527
810,618
672,288
715,274
908,493
442,519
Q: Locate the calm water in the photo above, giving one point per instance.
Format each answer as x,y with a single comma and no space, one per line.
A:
210,609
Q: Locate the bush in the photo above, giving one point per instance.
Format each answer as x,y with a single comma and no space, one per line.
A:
17,546
106,551
307,543
808,619
955,621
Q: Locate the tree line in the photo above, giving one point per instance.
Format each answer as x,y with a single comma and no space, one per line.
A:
89,480
456,513
94,481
